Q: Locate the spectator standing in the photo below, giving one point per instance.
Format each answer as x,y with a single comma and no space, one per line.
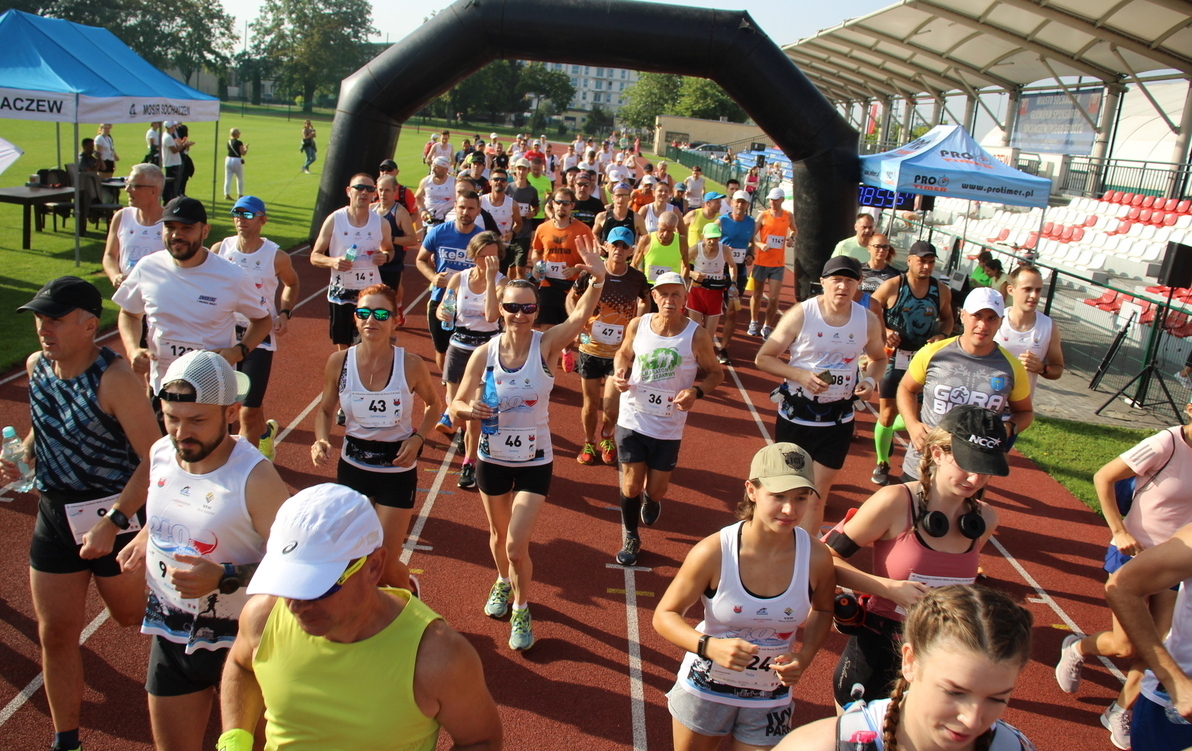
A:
234,164
106,149
308,147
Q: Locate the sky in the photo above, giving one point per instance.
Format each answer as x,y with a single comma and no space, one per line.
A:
785,21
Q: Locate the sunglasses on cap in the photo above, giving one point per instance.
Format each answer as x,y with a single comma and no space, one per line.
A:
365,188
242,214
339,583
378,313
528,308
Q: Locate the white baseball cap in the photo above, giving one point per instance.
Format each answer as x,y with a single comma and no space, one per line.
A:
649,180
169,124
492,136
777,195
441,161
985,298
314,537
214,380
669,277
522,162
740,195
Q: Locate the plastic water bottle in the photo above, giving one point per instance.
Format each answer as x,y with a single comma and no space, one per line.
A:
449,306
1173,715
352,253
489,425
14,451
732,292
539,271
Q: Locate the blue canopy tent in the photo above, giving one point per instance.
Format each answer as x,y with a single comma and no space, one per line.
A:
57,71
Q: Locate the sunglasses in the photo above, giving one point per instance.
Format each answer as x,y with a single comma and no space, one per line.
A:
339,583
564,203
378,313
498,179
365,188
246,214
528,308
881,247
583,185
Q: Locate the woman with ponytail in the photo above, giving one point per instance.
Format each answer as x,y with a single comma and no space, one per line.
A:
962,650
924,534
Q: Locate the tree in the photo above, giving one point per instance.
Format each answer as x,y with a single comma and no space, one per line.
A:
654,94
600,120
316,43
706,100
554,85
199,36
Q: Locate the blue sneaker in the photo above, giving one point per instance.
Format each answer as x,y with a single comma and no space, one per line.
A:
444,425
521,636
498,599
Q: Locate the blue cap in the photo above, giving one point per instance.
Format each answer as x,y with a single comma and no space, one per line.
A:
622,186
621,235
712,195
250,203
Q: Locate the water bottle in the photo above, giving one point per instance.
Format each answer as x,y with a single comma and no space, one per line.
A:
732,292
448,305
539,271
1173,715
14,451
352,253
488,426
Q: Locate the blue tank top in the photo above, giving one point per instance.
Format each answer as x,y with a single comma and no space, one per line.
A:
914,318
78,446
737,234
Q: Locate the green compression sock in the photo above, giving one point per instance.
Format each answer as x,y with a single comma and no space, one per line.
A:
883,440
898,423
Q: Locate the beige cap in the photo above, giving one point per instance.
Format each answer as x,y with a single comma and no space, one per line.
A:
780,467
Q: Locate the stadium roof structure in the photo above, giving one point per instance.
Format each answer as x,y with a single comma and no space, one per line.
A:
941,47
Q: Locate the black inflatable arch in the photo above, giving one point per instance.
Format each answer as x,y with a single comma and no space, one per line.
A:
725,46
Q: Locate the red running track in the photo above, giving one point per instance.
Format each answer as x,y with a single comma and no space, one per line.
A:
576,688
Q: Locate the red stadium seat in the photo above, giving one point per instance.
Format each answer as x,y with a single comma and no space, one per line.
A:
1157,217
1066,235
1134,214
1111,196
1170,204
1137,199
1077,234
1122,228
1031,241
1000,236
1107,298
1091,220
1125,198
1169,220
1148,202
1145,216
1183,206
1047,229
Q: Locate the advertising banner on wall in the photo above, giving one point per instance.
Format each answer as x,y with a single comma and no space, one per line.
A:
1049,123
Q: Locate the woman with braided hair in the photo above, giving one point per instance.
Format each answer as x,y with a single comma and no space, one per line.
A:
924,534
962,650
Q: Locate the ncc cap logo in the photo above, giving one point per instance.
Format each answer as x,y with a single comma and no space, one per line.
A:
289,548
794,460
985,441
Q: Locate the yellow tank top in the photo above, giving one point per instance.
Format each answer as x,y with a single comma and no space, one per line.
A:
660,258
326,696
695,230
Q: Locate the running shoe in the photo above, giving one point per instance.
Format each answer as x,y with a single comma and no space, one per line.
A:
608,452
521,630
754,328
459,441
568,362
881,474
498,599
415,587
401,316
1067,670
1116,720
588,455
268,438
722,357
1183,379
766,331
627,555
444,425
651,510
467,476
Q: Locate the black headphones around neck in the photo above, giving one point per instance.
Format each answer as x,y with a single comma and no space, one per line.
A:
935,523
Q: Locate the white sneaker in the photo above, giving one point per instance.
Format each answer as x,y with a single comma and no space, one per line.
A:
1183,379
1067,670
1116,720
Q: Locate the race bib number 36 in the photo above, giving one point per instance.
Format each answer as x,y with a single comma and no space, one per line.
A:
653,402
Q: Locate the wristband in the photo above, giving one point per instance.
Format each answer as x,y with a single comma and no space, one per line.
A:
872,383
699,393
286,312
243,350
597,285
234,740
702,649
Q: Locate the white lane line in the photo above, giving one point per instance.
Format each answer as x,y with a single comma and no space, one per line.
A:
637,694
415,535
1043,596
761,426
28,691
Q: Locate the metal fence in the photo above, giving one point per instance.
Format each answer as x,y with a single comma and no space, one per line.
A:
1086,176
718,171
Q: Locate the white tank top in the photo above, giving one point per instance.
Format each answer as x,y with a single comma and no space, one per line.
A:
260,266
662,367
204,515
1178,643
1035,339
714,266
768,622
439,198
346,285
523,435
502,215
136,240
651,218
383,415
821,347
469,312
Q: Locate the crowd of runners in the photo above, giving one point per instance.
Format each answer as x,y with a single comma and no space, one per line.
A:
296,612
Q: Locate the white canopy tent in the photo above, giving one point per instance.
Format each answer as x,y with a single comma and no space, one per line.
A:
63,72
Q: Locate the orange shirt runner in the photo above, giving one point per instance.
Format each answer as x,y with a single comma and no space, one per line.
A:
773,230
558,249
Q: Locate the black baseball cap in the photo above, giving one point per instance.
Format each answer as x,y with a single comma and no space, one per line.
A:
64,294
476,157
979,440
388,164
186,210
923,248
842,266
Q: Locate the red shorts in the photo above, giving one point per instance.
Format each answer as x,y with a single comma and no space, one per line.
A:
710,302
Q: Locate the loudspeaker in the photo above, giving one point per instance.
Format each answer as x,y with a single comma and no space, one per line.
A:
759,161
1177,266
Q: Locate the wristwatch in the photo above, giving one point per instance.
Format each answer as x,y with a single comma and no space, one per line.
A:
244,350
115,516
230,581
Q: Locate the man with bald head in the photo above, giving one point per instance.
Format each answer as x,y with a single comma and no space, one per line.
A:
857,246
663,250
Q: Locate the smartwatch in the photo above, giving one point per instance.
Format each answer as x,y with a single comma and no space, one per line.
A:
230,581
115,516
